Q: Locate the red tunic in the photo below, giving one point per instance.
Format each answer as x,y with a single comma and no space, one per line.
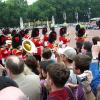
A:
4,53
8,38
27,36
17,52
80,39
45,38
38,44
64,40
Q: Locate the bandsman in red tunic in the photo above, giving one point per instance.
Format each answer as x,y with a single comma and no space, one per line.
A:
45,35
27,35
38,43
52,39
4,51
80,37
65,40
16,45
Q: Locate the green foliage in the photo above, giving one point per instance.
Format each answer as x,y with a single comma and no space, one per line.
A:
12,10
47,8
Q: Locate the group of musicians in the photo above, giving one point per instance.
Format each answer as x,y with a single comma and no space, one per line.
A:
11,41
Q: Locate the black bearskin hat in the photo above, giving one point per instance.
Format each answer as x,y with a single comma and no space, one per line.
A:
16,40
44,30
77,27
52,28
6,31
62,31
52,37
98,23
35,32
81,32
26,31
2,40
13,32
22,33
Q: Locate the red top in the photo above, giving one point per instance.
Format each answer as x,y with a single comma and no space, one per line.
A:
80,39
64,40
59,95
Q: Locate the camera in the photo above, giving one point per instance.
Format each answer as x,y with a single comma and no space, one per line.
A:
81,77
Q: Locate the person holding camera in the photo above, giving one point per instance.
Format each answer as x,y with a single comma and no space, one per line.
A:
84,76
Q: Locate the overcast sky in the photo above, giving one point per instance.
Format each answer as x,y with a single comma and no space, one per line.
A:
31,1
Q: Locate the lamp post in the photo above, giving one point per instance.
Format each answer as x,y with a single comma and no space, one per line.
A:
76,16
89,14
64,17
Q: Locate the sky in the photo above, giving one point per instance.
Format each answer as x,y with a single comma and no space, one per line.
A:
31,1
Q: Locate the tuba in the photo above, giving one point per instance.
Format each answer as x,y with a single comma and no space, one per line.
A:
28,46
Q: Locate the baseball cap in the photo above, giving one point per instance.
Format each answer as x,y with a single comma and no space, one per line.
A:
70,53
62,49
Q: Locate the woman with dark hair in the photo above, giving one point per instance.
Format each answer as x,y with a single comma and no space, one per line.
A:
87,48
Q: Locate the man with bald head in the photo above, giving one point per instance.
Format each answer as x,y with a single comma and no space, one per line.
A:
29,84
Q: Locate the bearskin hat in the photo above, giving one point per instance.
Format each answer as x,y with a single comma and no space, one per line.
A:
62,31
22,33
26,31
13,32
81,32
52,29
6,31
44,30
35,32
2,40
52,37
16,40
77,27
98,23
